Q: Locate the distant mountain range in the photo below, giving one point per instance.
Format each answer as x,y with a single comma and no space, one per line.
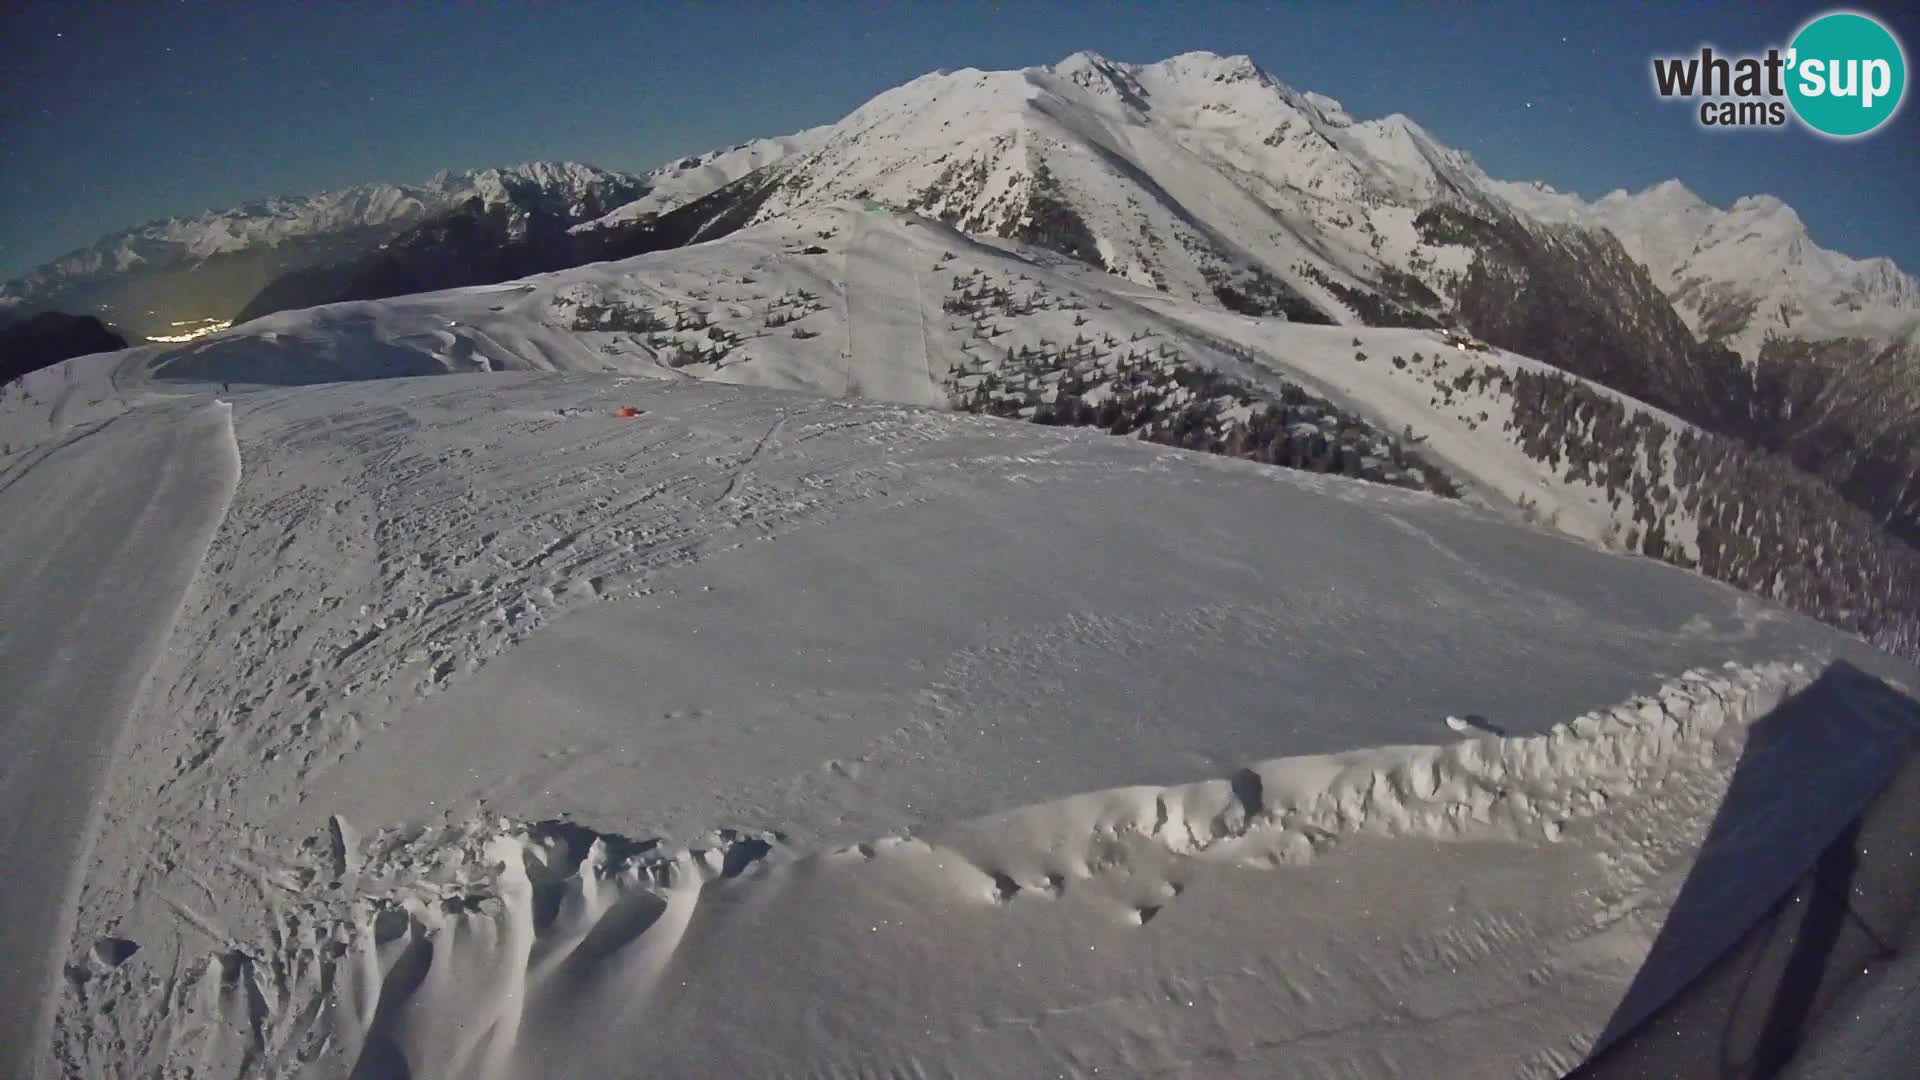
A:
479,243
207,267
1742,274
1200,176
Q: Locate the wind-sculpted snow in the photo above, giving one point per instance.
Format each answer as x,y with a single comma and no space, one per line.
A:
489,947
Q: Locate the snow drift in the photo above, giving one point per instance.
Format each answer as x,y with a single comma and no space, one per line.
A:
496,948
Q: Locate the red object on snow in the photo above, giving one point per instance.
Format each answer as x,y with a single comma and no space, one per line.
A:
629,411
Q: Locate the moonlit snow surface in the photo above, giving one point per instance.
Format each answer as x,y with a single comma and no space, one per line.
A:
760,733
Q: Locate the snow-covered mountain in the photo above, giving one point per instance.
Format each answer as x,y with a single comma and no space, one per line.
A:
1831,343
1743,273
678,183
1203,171
1200,175
206,266
1204,177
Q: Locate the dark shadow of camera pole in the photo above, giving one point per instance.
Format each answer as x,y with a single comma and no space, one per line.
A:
1807,879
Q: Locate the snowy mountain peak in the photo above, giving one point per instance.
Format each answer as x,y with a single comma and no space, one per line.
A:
1401,126
1086,60
1174,173
1096,74
1742,273
1671,191
1192,77
1761,204
571,181
1330,110
1168,173
1212,67
1768,213
274,220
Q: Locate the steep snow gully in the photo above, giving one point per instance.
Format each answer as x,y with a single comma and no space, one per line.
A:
105,535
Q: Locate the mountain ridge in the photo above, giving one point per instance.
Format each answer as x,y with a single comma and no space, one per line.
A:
287,216
1738,273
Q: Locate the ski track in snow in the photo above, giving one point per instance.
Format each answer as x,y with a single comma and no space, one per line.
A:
150,491
886,315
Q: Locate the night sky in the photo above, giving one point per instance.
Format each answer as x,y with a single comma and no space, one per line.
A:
113,114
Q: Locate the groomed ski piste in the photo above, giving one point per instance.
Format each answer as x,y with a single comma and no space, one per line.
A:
592,715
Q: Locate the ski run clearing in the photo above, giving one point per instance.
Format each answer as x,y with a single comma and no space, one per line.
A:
592,703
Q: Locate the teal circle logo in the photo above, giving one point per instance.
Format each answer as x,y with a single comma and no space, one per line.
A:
1846,74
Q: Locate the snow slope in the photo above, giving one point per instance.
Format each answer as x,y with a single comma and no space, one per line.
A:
1129,931
1466,431
827,651
525,680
